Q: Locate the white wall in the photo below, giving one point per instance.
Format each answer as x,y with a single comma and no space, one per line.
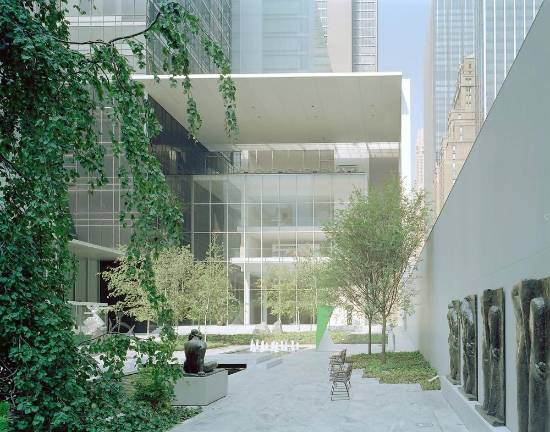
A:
495,227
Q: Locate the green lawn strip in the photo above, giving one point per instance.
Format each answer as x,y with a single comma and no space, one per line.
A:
340,337
4,408
400,368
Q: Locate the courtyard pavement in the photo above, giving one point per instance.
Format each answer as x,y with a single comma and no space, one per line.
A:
295,397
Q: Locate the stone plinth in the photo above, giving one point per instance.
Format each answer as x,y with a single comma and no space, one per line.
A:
193,389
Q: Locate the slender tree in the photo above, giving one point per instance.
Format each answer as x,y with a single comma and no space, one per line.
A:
351,232
279,284
212,300
376,240
401,221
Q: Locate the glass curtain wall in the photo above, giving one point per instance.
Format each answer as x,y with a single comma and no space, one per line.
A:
266,221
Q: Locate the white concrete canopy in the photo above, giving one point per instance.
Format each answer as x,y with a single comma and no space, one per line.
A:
292,108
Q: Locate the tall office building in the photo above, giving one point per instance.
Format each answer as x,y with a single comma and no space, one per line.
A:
492,31
501,27
461,133
453,33
271,36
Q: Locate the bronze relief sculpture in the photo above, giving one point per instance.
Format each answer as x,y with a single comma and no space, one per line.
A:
493,361
468,320
453,318
531,307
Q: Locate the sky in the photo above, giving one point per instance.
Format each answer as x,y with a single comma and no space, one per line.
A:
402,35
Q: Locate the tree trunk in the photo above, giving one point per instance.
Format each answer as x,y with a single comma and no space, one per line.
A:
383,339
148,323
370,335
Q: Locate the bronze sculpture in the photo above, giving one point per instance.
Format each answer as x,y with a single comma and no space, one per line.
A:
195,349
493,361
539,382
468,314
454,341
522,294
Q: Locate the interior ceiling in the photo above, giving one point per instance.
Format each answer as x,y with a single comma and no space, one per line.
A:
291,108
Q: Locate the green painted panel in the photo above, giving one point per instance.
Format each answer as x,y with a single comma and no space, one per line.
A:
323,317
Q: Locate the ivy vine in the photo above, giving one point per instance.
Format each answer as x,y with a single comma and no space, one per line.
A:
49,94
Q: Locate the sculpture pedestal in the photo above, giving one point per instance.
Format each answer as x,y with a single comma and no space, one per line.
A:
193,389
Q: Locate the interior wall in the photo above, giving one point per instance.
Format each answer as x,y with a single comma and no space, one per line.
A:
494,229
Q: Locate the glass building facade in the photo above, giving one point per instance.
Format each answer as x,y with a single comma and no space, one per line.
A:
96,216
454,24
501,27
274,36
364,35
265,220
490,30
107,19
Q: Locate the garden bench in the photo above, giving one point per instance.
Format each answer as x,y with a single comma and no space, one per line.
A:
341,382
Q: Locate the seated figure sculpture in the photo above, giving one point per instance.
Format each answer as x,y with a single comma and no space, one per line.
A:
195,349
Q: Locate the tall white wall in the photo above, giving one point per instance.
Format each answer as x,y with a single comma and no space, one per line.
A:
495,227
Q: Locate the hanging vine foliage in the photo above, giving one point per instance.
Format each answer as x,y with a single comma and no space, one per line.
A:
49,94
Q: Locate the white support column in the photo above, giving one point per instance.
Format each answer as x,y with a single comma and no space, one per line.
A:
246,296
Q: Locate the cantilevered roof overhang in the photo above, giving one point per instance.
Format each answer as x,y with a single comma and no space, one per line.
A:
291,108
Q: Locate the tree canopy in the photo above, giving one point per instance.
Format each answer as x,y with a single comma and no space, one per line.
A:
48,96
376,240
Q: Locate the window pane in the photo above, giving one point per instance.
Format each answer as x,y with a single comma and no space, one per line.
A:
235,186
234,218
201,218
235,246
305,214
270,189
253,218
270,216
322,213
202,191
217,189
323,188
200,245
253,188
218,217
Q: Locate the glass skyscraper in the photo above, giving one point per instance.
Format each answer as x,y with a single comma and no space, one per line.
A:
273,36
501,27
364,35
453,40
490,30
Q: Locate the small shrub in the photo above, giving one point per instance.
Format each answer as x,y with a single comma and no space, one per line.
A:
154,388
400,368
4,411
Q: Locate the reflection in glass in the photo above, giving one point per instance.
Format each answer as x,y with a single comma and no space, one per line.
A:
218,218
200,245
217,188
234,218
201,219
202,191
265,219
253,189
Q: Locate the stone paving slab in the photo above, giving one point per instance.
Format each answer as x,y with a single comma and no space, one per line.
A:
295,397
